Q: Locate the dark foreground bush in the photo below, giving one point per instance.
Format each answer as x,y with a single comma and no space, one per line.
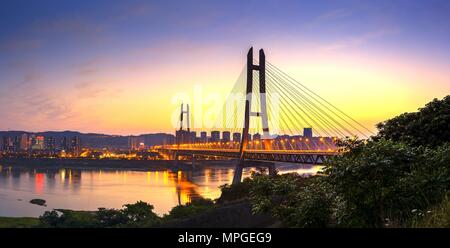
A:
196,206
373,184
139,214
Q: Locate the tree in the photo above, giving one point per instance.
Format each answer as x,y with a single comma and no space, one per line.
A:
295,200
427,127
140,214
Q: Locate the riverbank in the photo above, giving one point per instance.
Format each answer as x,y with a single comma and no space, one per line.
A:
18,222
97,164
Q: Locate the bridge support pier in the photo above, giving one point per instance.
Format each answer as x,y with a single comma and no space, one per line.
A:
240,167
237,174
261,68
193,161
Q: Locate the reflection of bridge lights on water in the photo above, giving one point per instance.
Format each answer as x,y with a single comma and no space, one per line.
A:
90,189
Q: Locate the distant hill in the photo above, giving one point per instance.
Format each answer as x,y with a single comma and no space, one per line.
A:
95,140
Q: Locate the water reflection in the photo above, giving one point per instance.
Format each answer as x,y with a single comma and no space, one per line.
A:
91,189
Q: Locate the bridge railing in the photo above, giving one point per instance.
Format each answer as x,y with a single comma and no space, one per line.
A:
281,144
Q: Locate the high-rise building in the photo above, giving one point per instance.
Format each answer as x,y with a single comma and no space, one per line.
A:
75,145
37,142
225,136
182,137
307,132
24,142
50,143
237,137
8,145
4,140
204,137
133,142
16,144
65,144
215,136
192,136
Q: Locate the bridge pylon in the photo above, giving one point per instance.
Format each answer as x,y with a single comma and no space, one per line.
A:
261,68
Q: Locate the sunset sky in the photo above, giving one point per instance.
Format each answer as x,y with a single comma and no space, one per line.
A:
115,66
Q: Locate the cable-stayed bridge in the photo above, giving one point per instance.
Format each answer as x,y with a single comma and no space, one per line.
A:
269,117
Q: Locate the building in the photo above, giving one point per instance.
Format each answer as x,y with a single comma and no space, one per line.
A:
75,145
136,143
204,137
257,136
24,142
237,137
65,144
215,136
17,144
8,144
182,137
307,132
50,144
226,136
37,142
192,137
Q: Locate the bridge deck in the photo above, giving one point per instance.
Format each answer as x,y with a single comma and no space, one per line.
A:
292,156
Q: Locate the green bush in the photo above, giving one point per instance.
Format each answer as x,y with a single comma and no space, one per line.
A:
63,218
196,206
295,200
381,183
438,216
139,214
427,127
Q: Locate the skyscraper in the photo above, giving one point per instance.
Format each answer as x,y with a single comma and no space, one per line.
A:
307,132
225,136
64,144
182,137
204,137
215,136
75,145
237,137
24,143
192,136
50,143
37,143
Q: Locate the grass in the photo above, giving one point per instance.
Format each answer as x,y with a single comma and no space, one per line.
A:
18,222
437,217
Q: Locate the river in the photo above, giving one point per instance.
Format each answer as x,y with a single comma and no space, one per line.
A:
89,189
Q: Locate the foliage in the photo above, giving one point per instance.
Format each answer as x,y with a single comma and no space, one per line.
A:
427,127
18,222
111,217
63,218
196,206
295,200
234,192
438,216
378,183
139,214
381,183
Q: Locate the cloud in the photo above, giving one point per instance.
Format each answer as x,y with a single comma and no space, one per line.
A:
19,44
333,14
136,10
356,40
88,89
70,25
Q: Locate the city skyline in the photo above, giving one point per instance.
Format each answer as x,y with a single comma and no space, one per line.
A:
113,67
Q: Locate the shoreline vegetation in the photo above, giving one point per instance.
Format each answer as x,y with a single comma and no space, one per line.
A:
397,178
